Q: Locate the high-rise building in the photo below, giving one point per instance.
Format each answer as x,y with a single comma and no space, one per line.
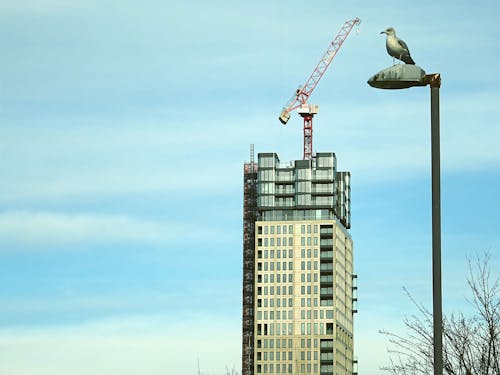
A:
298,277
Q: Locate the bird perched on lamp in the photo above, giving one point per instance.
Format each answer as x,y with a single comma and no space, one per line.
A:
396,47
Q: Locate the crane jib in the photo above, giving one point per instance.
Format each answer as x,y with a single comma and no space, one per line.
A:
302,94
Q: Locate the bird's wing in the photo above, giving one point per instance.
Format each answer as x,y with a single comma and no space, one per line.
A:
403,44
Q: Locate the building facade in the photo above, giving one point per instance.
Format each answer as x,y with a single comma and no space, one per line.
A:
298,277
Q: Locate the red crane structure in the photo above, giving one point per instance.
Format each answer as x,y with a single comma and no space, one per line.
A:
302,94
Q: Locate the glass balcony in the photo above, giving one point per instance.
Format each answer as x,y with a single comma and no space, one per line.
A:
326,254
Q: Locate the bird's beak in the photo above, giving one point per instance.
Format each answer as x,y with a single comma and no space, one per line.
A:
383,32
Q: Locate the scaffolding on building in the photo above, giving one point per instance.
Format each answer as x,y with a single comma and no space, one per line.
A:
249,218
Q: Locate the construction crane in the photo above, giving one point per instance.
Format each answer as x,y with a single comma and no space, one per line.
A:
302,94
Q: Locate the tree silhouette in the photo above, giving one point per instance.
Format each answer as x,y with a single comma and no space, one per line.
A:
471,343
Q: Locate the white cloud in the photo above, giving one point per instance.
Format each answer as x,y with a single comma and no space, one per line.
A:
139,156
390,135
149,345
50,228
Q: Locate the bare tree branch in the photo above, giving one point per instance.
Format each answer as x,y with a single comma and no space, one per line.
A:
471,344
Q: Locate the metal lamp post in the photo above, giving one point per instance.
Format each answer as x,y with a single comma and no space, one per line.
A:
404,76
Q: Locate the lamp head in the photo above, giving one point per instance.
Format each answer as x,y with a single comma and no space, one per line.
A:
401,76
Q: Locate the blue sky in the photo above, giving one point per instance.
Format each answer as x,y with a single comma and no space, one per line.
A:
123,130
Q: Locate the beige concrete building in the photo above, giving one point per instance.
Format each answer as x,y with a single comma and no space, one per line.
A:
298,284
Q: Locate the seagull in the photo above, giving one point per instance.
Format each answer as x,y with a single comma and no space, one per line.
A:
396,47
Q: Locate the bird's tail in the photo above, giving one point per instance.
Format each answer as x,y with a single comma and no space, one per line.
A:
408,60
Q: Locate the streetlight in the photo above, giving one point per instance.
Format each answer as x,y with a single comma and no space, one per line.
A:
403,76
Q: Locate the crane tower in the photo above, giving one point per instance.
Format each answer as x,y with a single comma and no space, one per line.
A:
299,99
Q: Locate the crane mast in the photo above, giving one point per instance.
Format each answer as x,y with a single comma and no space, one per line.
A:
299,99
